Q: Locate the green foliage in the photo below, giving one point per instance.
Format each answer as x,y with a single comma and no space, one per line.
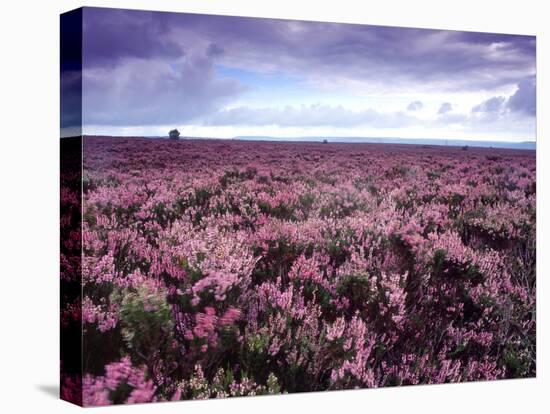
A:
273,386
438,261
146,323
516,362
356,288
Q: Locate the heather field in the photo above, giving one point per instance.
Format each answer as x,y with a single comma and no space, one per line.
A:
216,268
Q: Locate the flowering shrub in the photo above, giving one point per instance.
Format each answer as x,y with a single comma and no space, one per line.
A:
226,268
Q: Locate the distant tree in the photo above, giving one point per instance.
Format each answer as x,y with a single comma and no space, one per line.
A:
325,141
465,148
174,134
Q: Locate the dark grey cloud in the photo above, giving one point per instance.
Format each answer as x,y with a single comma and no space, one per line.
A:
522,101
518,44
147,68
215,50
491,105
398,56
453,59
143,92
524,98
415,106
444,108
113,35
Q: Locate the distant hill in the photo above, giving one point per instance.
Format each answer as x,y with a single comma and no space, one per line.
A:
526,145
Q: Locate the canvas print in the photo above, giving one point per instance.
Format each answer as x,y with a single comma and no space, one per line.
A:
256,206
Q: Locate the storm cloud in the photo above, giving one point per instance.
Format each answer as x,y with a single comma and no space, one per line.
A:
524,98
491,105
112,36
522,101
158,68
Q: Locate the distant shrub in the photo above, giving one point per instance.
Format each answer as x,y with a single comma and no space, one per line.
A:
174,134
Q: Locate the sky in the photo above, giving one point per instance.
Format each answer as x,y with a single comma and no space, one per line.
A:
144,73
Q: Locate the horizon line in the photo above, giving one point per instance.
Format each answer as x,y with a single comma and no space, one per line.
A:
321,137
443,142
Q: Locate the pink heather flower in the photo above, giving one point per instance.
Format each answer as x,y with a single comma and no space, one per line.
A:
278,246
96,390
230,316
177,395
336,330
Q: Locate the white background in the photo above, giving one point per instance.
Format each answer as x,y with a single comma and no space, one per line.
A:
29,197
